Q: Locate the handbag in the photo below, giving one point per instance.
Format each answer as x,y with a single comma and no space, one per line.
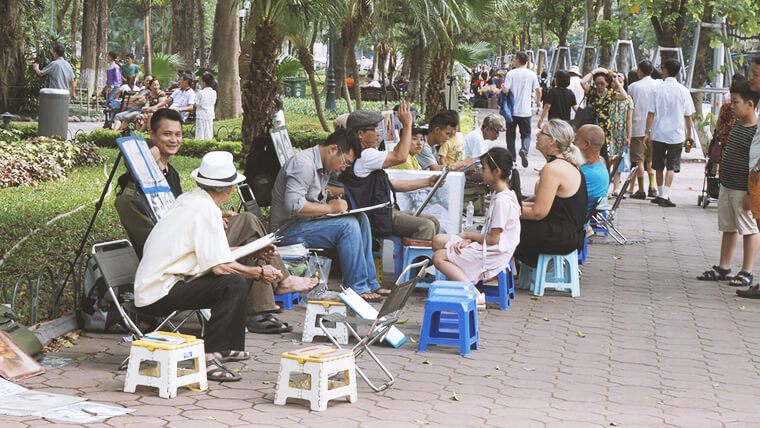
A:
585,116
18,332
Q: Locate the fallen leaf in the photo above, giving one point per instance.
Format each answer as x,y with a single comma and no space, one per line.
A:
716,385
617,257
534,297
741,308
237,370
412,339
180,408
580,334
497,368
211,418
454,397
613,424
68,344
546,319
661,402
266,382
82,358
402,321
668,298
427,362
529,369
421,422
488,376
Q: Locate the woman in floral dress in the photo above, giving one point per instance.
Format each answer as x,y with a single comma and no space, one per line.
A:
600,98
620,128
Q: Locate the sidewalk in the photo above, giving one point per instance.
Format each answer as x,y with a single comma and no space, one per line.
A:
659,349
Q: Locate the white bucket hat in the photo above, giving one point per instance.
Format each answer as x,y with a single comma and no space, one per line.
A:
217,169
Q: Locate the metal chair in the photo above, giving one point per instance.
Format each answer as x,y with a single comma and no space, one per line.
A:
604,217
386,318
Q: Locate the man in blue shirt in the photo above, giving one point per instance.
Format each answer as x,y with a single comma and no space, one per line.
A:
590,139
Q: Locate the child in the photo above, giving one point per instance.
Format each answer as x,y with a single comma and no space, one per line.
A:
734,216
471,256
205,100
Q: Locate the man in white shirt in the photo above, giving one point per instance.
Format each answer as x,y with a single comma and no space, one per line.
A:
671,103
360,178
522,82
183,98
576,87
475,142
641,92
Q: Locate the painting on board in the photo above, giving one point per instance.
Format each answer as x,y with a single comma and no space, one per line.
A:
447,203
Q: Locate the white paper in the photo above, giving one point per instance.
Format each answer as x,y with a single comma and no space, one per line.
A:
357,210
254,246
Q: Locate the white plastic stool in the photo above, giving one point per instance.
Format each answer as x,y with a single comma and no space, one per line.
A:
318,362
166,349
319,308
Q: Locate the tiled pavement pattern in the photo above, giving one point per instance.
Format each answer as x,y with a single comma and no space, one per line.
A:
658,349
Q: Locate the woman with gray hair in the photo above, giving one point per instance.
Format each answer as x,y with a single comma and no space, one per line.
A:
553,222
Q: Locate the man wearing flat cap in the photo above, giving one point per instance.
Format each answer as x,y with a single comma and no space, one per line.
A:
369,184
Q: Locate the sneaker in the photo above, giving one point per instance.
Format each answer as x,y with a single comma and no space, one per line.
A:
639,195
656,200
652,193
666,203
752,292
524,158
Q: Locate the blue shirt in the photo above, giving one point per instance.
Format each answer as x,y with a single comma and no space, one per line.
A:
597,182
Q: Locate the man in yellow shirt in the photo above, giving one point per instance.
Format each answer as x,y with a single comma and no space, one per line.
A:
452,151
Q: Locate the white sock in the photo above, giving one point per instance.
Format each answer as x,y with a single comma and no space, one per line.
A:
659,191
665,192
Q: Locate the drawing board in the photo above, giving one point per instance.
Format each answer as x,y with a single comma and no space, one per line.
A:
447,204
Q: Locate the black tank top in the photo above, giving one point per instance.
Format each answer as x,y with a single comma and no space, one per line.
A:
570,212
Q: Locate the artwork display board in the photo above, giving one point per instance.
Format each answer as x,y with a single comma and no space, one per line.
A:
447,204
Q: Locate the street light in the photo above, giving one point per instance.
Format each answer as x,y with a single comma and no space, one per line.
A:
7,117
241,14
330,83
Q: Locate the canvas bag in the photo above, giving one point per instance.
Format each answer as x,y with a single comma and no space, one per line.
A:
18,332
98,313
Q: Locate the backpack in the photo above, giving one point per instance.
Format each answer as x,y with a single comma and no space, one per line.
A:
21,335
98,312
375,189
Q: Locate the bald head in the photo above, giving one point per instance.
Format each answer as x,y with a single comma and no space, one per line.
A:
593,135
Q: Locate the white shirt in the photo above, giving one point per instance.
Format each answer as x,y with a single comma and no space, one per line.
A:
187,241
522,82
126,88
206,100
475,144
641,92
372,159
754,149
279,117
182,98
577,88
671,101
374,84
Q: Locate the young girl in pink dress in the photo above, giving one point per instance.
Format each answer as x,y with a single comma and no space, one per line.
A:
471,256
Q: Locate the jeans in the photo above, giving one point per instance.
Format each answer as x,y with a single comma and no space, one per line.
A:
524,124
351,236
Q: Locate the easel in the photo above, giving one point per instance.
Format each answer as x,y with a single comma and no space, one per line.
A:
721,56
583,56
555,61
657,60
541,61
531,58
631,56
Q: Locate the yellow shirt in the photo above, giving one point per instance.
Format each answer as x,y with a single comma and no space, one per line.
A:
452,150
411,163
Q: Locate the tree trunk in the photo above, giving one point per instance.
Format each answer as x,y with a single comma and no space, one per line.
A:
306,59
351,64
700,70
182,31
422,82
11,56
74,25
592,9
148,40
606,48
214,55
622,63
201,32
339,67
60,16
164,25
259,82
89,45
438,70
413,59
668,31
347,96
102,43
228,103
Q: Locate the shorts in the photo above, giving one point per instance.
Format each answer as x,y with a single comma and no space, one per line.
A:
666,156
731,216
754,202
638,153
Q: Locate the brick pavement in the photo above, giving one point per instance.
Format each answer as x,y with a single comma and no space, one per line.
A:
660,349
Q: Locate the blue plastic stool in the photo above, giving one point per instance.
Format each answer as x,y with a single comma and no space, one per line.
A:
564,277
413,254
439,327
582,255
287,299
455,288
502,292
599,229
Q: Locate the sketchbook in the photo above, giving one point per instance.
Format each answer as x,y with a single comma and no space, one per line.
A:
254,246
356,210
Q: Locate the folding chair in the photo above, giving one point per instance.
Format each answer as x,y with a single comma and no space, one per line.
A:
387,317
604,217
118,262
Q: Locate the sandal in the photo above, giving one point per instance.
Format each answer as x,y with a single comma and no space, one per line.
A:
234,356
741,279
383,291
215,370
752,292
267,324
371,296
716,274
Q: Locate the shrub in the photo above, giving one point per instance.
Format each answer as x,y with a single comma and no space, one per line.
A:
27,130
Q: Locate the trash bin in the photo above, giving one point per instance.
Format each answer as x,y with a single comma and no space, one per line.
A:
54,112
295,87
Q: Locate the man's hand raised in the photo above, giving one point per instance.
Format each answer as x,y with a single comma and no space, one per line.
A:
404,113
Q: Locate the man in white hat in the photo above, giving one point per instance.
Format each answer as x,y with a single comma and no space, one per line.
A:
576,87
187,264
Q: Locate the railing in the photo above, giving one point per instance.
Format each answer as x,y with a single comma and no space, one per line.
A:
48,279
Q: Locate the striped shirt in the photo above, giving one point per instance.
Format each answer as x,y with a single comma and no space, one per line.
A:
733,167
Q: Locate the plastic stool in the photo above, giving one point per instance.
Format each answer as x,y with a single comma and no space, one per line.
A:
598,229
167,353
582,255
318,363
502,292
440,328
287,299
564,276
456,288
316,309
411,255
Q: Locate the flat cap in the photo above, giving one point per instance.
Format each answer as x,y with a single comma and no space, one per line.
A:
363,119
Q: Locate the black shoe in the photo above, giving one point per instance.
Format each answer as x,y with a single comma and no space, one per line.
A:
656,200
639,195
652,193
666,203
524,158
752,292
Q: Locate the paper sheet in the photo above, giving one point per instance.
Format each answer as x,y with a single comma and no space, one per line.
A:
357,210
254,246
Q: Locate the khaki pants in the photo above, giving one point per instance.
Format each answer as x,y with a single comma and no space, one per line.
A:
244,228
406,225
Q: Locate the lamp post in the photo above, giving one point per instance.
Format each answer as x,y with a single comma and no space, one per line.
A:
241,14
7,117
330,83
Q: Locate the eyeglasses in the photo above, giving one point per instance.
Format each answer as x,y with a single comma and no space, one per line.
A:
345,163
545,133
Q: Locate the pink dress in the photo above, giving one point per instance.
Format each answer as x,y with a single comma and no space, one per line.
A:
482,264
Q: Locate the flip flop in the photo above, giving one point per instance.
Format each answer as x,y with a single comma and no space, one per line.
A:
234,356
215,370
383,291
267,324
371,296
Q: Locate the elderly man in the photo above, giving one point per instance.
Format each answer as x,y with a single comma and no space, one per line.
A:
302,200
60,71
475,142
590,139
187,264
166,135
183,98
369,183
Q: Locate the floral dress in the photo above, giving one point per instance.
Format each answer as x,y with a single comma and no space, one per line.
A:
618,126
602,106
